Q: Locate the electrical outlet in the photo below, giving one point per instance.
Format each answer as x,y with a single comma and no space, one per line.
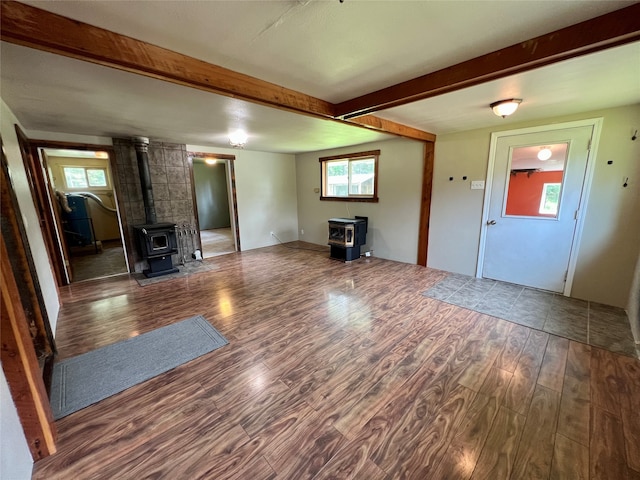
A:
273,234
477,184
302,231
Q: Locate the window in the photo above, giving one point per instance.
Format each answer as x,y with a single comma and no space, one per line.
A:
82,177
549,199
352,177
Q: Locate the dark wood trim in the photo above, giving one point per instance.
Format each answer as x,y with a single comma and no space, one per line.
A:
351,156
387,126
52,207
35,145
350,199
56,144
217,156
38,187
24,326
194,198
370,153
425,204
232,175
23,267
36,28
606,31
21,369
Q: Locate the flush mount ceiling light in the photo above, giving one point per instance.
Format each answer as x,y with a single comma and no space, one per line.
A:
504,108
544,154
210,161
237,139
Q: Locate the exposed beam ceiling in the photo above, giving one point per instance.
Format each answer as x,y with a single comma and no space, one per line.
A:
59,34
606,31
35,28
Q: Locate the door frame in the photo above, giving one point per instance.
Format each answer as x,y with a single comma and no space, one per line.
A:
231,191
596,124
61,254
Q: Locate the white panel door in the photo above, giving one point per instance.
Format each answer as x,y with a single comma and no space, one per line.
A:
533,206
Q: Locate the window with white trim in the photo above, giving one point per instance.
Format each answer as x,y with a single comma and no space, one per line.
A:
85,177
550,198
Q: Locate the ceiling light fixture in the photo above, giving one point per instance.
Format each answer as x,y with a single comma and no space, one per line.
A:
504,108
544,154
210,161
238,139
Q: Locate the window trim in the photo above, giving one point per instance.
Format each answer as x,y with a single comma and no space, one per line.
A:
543,197
89,186
375,154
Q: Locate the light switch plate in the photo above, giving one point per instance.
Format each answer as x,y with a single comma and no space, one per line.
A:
477,184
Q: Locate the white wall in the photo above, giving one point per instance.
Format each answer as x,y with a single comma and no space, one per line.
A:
29,215
266,193
611,236
393,221
15,457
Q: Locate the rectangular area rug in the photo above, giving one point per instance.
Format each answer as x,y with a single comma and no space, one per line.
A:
88,378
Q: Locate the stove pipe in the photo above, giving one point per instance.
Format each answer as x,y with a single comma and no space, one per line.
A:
142,148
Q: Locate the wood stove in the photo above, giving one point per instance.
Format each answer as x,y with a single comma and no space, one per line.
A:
156,242
346,236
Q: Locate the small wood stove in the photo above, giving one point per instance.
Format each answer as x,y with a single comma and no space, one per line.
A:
346,236
156,243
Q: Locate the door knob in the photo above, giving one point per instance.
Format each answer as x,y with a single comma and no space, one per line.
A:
491,222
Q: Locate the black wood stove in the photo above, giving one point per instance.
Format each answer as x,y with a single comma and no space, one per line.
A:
346,236
156,242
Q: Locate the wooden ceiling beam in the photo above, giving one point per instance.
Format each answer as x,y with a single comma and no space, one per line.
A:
32,27
387,126
610,30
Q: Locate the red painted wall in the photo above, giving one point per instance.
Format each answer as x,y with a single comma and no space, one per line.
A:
525,192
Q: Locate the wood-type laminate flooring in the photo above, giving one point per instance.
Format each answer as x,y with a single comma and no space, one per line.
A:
342,371
218,241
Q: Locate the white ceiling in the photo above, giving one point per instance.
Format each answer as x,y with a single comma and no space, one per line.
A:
331,50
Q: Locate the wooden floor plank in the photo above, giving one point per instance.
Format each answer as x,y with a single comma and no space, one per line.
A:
578,360
570,460
607,451
575,410
605,384
629,373
535,450
338,370
462,454
315,442
554,362
353,459
499,451
525,376
508,357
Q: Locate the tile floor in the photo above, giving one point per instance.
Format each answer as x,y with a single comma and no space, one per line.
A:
588,322
88,265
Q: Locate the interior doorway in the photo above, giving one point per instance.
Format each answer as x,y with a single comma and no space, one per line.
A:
215,204
83,198
537,183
